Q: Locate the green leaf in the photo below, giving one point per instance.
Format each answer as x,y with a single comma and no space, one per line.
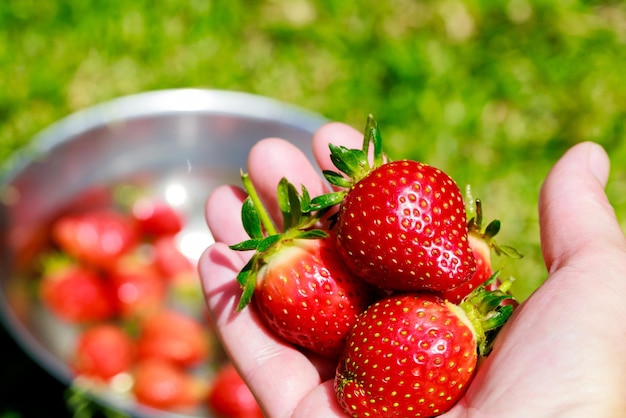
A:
313,234
251,220
352,162
246,296
340,156
242,276
247,245
492,229
337,179
282,197
294,205
247,280
289,202
508,251
266,243
247,269
305,200
328,200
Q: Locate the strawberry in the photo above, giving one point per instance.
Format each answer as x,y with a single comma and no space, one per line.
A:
139,288
230,397
401,225
75,293
97,237
169,259
155,217
481,242
414,354
161,384
103,351
175,337
303,290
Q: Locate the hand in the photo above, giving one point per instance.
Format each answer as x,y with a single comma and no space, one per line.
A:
286,382
561,354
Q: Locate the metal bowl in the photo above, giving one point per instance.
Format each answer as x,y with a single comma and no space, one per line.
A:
180,143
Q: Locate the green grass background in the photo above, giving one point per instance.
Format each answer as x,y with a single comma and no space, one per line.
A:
493,92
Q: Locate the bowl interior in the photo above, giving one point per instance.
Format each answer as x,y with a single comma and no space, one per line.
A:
180,144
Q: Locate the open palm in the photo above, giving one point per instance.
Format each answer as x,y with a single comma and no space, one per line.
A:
562,353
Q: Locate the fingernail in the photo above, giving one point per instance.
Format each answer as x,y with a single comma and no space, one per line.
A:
599,163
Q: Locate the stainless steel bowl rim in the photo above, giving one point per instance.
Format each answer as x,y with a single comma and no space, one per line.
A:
160,102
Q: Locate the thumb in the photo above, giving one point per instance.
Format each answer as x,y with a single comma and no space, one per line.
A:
575,217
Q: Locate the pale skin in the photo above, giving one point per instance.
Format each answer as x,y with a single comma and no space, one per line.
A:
562,354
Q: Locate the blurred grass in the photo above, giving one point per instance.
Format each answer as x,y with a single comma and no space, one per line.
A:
493,92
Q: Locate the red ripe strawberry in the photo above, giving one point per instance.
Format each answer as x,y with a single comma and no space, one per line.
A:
305,295
481,242
401,224
173,337
413,355
97,237
139,288
230,397
169,259
155,217
163,385
75,293
102,352
302,289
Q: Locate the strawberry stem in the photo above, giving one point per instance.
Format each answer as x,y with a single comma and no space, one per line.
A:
479,213
470,207
372,135
269,226
300,216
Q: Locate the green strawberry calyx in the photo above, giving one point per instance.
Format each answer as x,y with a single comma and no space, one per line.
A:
355,164
474,212
488,311
300,219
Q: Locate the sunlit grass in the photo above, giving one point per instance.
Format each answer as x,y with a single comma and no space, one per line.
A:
493,92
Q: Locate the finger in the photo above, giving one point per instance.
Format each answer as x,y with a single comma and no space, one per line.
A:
272,159
223,214
321,402
576,218
279,375
584,250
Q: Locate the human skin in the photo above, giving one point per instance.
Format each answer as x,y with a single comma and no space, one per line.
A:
562,353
